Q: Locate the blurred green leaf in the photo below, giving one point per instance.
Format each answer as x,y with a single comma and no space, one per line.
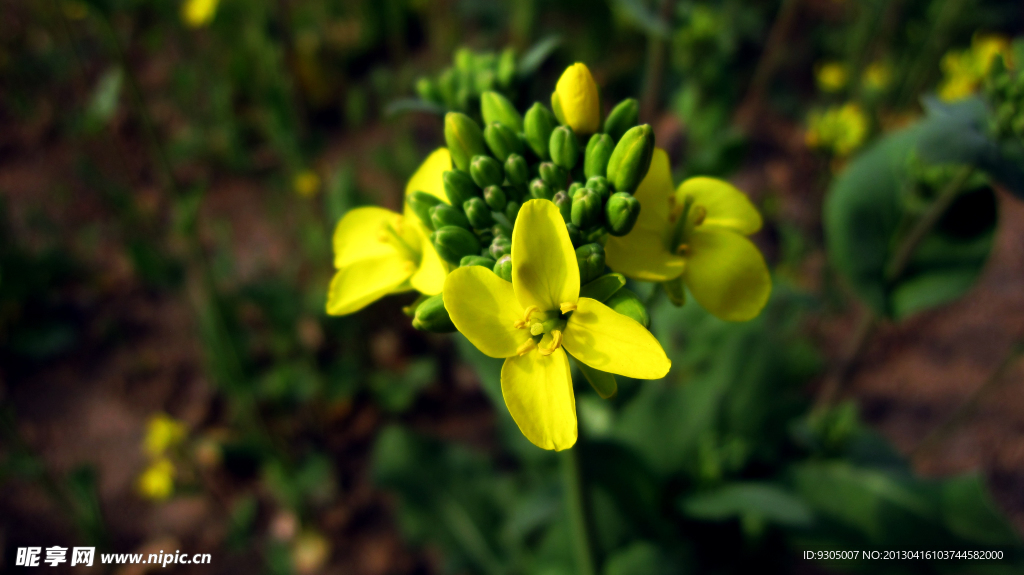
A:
537,54
103,101
736,500
969,513
641,557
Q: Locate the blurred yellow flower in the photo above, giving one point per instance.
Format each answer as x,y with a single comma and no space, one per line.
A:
157,481
840,129
379,252
536,318
163,432
575,100
306,183
831,76
198,13
877,76
310,551
695,235
963,70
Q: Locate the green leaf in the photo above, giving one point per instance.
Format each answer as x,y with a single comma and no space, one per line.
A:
738,500
537,54
640,557
968,512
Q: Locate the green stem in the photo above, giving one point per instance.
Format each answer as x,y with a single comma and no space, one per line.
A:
576,506
655,65
747,112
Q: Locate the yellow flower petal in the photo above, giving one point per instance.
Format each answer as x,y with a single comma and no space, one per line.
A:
484,308
544,268
360,283
727,274
726,206
609,341
429,278
642,255
357,235
654,194
538,393
576,95
428,176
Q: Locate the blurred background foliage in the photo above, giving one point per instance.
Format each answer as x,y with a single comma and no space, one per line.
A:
171,182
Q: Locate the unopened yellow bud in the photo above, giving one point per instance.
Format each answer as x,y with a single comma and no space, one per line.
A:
157,481
163,432
576,102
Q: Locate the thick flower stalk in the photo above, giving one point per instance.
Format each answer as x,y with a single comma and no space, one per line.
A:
536,318
695,236
379,252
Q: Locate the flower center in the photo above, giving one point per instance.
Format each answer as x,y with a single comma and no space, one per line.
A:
391,233
684,218
541,323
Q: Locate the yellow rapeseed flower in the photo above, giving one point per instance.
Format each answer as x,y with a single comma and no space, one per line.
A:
695,235
198,13
575,100
378,252
877,76
831,76
531,319
841,129
157,481
163,432
964,70
306,183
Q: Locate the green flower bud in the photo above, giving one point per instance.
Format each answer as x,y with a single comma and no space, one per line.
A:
538,125
574,235
563,147
598,235
486,171
595,158
496,108
420,203
486,237
454,243
446,85
626,303
586,208
503,268
432,316
495,198
478,213
427,90
502,141
514,192
554,176
501,228
443,215
506,68
459,187
476,261
573,188
631,158
600,185
500,246
603,287
623,116
590,258
540,190
516,170
564,203
512,210
464,139
621,213
464,59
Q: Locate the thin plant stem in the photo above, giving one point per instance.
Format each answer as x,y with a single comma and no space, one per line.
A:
577,508
655,66
750,108
836,379
970,405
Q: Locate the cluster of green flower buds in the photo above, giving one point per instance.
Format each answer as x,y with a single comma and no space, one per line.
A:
515,158
459,86
1004,89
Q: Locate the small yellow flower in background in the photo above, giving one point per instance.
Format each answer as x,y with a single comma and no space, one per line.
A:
306,183
841,129
696,236
310,552
964,70
831,76
157,481
198,13
575,100
877,76
536,318
379,252
163,432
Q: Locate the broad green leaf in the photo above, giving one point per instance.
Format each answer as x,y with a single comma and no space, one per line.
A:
641,557
737,500
968,512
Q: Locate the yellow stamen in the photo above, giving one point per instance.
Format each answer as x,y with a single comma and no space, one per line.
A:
556,341
526,318
526,347
701,213
567,306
